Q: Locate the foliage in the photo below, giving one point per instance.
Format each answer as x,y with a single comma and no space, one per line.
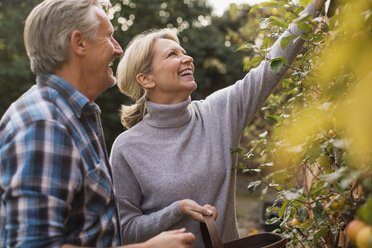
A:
15,75
313,146
217,64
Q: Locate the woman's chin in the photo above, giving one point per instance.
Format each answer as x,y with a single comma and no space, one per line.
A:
191,86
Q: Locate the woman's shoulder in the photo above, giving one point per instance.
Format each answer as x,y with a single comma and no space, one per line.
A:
126,134
130,135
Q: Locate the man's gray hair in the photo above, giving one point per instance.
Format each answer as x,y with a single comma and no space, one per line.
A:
49,27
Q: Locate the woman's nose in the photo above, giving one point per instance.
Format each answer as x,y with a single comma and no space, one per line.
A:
187,59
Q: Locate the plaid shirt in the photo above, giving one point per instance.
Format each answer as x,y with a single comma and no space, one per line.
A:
55,179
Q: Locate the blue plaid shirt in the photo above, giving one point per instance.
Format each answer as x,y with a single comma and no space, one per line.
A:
55,179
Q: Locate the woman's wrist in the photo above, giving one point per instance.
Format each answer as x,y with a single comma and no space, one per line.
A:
180,206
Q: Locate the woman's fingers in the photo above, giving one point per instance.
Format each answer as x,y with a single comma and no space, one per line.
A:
186,237
170,239
175,231
212,209
197,216
194,210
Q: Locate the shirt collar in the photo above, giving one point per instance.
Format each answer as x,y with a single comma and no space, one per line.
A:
76,100
168,115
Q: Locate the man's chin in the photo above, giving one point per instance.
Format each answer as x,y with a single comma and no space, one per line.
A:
112,82
109,85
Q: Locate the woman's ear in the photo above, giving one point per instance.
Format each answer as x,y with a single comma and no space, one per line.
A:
145,80
78,43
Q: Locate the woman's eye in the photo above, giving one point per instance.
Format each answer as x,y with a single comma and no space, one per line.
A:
171,54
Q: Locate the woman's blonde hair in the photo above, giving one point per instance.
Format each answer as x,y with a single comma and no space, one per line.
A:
137,59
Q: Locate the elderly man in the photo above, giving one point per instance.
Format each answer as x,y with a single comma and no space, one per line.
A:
55,181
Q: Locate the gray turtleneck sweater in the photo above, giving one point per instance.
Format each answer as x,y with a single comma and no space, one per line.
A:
182,151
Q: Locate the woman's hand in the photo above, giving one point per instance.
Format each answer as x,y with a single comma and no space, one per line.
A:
318,4
170,239
194,210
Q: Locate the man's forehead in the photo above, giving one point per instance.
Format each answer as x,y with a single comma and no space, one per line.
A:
102,17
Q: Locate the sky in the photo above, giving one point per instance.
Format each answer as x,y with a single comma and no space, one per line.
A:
221,5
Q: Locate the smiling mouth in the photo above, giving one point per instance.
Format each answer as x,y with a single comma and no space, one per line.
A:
187,72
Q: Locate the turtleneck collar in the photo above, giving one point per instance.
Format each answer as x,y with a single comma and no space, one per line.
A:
167,115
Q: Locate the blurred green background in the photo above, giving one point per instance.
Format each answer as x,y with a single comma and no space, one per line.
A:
211,40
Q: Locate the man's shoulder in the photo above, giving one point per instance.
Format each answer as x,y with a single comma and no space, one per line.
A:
36,104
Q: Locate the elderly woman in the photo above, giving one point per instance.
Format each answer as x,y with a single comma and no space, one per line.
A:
173,164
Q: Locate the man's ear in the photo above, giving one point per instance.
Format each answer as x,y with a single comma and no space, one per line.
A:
78,43
145,80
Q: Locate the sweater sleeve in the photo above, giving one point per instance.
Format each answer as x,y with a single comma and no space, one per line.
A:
137,226
236,105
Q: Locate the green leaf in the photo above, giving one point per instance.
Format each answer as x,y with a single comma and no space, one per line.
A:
318,188
253,63
277,64
320,233
305,2
324,27
238,150
253,186
284,41
245,46
314,154
266,42
273,220
320,214
365,212
277,22
272,117
249,155
304,27
286,83
302,214
299,10
283,208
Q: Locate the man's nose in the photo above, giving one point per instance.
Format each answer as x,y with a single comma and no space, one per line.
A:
117,49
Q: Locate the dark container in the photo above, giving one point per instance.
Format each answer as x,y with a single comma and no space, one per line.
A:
212,238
